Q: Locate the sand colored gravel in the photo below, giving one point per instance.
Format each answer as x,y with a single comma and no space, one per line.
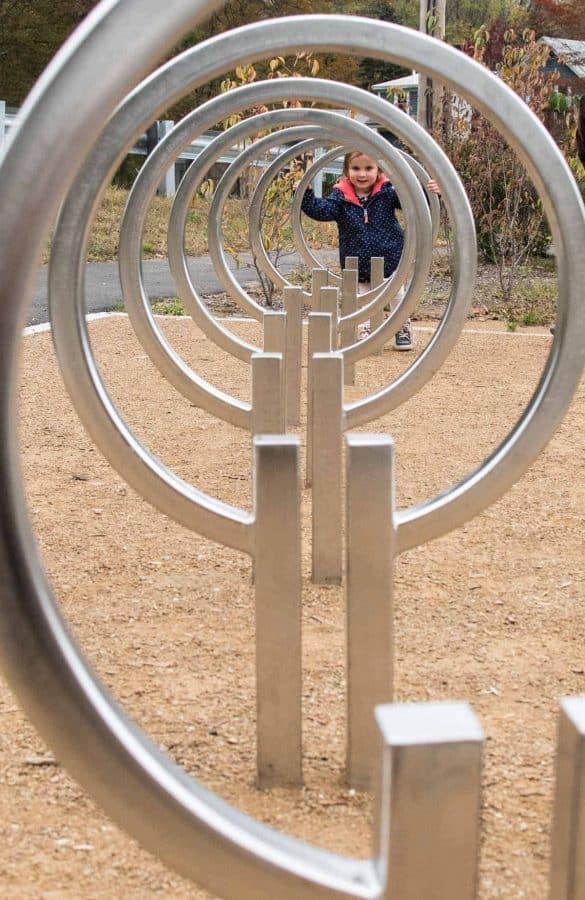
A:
492,613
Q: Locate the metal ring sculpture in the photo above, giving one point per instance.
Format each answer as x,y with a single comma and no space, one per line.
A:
203,837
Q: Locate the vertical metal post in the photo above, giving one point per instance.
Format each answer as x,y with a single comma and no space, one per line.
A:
349,287
274,331
319,278
277,563
427,801
377,277
327,500
370,550
168,186
318,179
293,304
275,342
329,303
267,406
567,877
319,341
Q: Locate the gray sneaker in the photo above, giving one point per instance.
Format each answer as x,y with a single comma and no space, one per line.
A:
403,338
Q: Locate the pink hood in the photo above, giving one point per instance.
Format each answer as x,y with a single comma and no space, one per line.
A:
348,190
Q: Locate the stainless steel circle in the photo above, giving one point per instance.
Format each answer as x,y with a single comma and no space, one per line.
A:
381,294
304,249
80,374
202,836
361,134
190,184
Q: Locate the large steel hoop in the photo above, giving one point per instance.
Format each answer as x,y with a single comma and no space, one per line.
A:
396,392
307,254
195,174
72,345
108,429
371,300
201,831
459,208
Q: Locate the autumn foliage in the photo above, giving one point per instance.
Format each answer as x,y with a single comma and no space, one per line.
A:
554,19
509,217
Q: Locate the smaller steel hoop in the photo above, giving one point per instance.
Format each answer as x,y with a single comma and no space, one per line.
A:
397,278
385,399
189,185
399,275
223,188
230,176
310,135
267,91
460,214
195,175
381,294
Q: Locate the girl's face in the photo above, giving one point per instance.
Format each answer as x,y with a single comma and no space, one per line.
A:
363,173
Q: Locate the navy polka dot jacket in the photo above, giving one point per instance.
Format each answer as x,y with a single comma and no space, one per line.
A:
365,230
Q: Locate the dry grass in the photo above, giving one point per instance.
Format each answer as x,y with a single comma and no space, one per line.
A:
104,239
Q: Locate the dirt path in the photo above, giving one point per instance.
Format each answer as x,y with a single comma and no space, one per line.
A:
492,613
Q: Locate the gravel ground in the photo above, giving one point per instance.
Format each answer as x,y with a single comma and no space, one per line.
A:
491,613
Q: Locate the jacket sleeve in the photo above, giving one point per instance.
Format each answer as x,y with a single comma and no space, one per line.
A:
389,192
323,210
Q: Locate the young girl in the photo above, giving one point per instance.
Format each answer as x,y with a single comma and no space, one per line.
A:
363,203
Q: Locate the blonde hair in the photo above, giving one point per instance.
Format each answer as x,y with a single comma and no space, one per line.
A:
352,155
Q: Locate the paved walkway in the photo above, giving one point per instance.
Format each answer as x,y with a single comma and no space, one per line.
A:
103,291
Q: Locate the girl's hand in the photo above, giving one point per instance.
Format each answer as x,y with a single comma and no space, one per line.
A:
433,187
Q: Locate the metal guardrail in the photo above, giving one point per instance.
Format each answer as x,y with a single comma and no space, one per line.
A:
9,117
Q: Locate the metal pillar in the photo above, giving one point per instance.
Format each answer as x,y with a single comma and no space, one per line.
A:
267,394
319,278
277,568
275,342
329,303
319,341
370,549
327,435
567,877
427,816
293,304
377,278
349,303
